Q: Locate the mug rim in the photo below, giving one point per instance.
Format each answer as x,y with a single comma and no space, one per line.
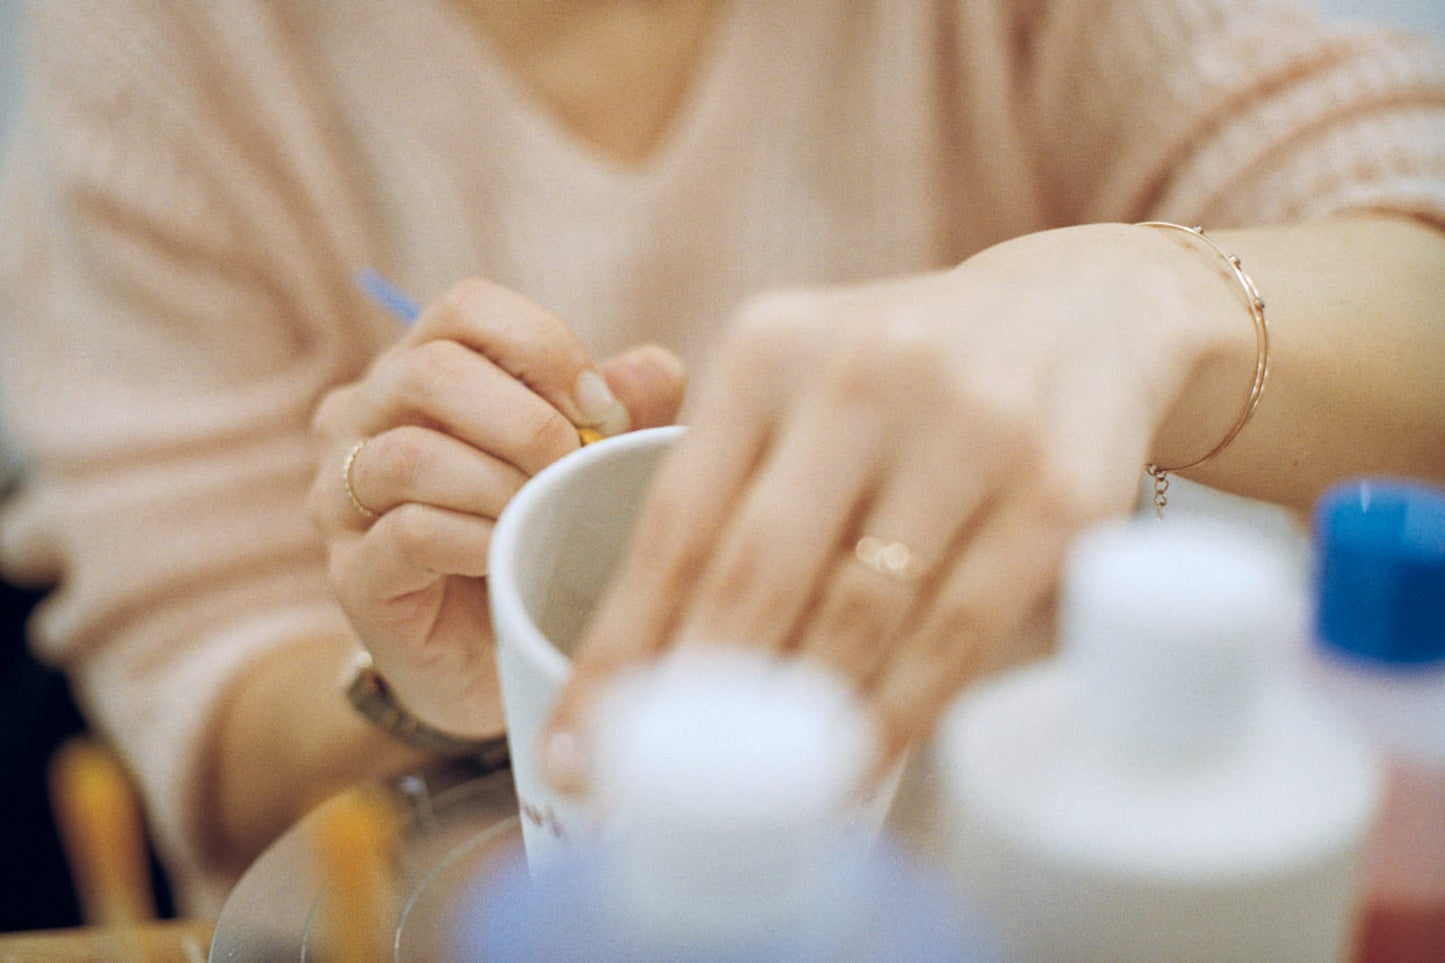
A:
506,596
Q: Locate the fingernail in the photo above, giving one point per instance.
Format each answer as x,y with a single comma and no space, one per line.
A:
563,764
598,406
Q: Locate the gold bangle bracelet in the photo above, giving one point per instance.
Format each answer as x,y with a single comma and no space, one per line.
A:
1255,303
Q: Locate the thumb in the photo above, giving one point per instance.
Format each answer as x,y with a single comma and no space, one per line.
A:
649,381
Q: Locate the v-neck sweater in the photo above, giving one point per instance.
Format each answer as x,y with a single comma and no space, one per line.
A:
194,187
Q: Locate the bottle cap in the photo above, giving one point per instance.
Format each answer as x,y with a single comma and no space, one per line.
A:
1167,628
1380,575
727,779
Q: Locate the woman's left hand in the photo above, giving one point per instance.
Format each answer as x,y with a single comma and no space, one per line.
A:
885,478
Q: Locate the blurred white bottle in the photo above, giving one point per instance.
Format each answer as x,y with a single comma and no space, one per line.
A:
1158,791
728,830
1379,649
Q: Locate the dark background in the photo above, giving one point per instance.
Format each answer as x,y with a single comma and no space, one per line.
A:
37,714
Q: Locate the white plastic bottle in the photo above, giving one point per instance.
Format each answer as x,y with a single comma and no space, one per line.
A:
726,803
1379,649
1157,791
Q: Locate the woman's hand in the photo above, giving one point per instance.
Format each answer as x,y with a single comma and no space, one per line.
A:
482,393
884,478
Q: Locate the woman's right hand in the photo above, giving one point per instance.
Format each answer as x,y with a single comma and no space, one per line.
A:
482,393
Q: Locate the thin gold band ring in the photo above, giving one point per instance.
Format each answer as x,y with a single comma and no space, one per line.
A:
361,509
893,560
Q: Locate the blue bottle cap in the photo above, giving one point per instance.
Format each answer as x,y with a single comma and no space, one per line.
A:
1380,589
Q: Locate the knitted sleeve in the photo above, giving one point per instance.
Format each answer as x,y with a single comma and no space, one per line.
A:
174,302
1229,112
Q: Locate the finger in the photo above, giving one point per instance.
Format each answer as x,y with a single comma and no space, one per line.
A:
690,497
334,416
408,550
428,467
448,387
770,558
869,441
530,344
882,576
331,502
693,488
953,447
972,623
428,634
649,381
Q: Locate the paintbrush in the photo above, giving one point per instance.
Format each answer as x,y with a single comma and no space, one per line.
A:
404,307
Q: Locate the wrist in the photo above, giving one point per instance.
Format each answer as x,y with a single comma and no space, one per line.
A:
279,748
371,696
1217,304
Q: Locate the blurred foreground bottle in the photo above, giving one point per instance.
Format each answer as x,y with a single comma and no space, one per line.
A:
727,791
1379,649
1159,790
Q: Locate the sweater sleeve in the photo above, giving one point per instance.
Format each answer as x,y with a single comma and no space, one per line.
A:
175,296
1229,112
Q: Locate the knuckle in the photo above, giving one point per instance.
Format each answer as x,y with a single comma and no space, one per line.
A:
442,360
412,531
902,339
876,362
890,354
769,324
403,456
546,434
769,337
462,298
476,308
329,413
420,376
766,310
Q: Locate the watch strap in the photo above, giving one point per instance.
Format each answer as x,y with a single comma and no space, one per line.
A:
369,694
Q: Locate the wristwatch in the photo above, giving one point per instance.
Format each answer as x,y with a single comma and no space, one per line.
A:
369,694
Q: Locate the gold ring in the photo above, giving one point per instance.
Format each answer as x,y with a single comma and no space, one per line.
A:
891,559
361,509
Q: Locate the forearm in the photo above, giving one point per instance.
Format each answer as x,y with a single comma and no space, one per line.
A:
287,739
1356,314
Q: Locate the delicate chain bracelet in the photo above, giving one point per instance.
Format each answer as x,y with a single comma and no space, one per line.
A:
1261,361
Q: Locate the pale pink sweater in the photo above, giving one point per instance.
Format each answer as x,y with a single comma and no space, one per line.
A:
198,183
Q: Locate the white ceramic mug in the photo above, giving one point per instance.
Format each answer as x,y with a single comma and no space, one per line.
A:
553,552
